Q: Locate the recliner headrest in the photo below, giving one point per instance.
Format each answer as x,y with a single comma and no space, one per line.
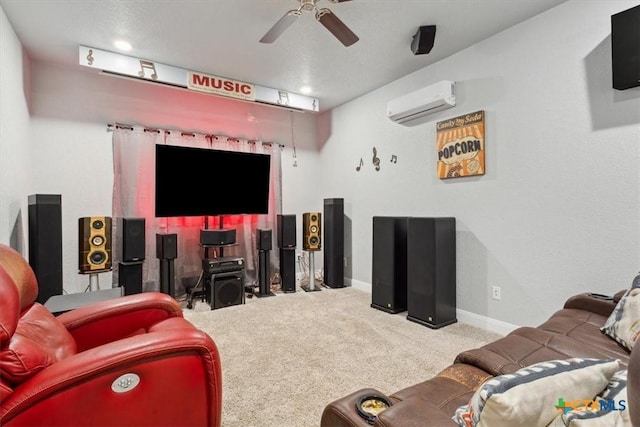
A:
19,270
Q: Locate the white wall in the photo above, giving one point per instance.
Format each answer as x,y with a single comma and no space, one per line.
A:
558,210
15,160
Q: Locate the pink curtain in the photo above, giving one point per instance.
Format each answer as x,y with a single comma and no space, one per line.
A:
134,197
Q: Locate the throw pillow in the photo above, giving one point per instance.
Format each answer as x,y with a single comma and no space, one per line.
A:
623,325
528,397
608,408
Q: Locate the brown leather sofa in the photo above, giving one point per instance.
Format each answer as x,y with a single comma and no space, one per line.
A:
573,331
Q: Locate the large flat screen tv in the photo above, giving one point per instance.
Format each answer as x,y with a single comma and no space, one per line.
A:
202,182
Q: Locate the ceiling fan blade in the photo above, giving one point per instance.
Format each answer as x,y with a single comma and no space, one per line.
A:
332,23
279,27
338,1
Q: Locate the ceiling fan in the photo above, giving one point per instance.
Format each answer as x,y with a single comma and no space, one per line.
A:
327,18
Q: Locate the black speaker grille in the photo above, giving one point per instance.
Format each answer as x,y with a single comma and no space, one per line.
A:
286,231
45,243
133,239
227,291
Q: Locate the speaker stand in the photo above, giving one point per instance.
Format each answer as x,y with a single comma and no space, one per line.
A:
94,283
263,274
167,277
312,275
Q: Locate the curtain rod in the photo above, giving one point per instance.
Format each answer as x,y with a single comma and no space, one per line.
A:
112,126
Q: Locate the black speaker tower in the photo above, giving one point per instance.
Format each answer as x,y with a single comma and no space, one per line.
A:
287,244
334,243
45,243
263,243
431,271
389,273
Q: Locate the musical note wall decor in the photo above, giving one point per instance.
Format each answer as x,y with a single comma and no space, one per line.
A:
90,57
360,165
283,98
394,158
376,159
150,66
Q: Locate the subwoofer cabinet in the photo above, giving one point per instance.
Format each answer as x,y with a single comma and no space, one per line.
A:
389,273
227,289
431,271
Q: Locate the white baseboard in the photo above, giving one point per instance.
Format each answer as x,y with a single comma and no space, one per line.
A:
473,319
483,322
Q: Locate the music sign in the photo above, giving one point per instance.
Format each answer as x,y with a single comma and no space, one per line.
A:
460,144
221,86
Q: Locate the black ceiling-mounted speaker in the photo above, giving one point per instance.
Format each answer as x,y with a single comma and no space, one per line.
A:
625,48
423,40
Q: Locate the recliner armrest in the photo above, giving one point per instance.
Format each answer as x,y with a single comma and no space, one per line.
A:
180,384
106,321
594,303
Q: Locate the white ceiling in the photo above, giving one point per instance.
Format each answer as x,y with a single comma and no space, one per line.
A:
220,37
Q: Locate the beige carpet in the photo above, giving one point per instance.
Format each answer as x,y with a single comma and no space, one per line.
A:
285,357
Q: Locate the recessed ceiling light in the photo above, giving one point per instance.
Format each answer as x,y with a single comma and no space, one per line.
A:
122,45
305,89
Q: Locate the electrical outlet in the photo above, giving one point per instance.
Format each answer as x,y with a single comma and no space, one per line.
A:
496,293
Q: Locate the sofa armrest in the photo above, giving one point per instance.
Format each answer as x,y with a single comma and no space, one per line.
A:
595,303
110,320
343,413
416,411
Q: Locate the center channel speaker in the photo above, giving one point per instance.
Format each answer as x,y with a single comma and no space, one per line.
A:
311,231
218,237
94,244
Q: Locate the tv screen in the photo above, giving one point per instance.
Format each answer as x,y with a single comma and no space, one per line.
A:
202,182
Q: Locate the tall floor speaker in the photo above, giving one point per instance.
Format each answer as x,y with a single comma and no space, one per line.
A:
45,243
389,275
263,243
334,243
286,238
431,271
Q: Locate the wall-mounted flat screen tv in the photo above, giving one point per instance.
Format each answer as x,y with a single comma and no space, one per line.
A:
203,182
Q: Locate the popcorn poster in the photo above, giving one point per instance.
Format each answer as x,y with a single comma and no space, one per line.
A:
460,143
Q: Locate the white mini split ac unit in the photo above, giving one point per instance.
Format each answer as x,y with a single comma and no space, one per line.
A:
420,103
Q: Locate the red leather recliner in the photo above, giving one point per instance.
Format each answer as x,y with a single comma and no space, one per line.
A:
129,361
